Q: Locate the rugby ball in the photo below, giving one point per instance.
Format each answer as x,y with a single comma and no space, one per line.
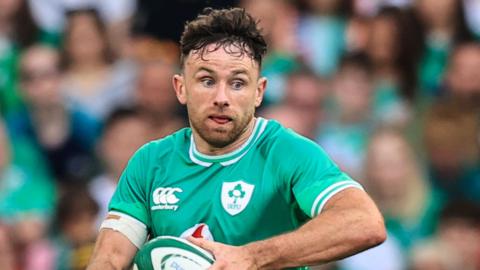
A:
172,253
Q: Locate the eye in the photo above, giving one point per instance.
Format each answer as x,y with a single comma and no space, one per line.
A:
207,82
237,84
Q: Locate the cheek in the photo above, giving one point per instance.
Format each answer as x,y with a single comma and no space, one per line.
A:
196,102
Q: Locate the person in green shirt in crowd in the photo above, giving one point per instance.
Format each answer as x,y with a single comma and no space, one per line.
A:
18,30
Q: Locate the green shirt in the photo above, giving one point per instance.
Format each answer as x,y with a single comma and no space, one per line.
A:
22,194
272,184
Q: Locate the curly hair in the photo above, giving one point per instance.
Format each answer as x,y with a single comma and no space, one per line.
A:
230,29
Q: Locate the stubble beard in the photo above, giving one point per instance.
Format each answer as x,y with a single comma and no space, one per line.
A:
221,136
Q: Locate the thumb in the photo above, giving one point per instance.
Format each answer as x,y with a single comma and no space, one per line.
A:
203,243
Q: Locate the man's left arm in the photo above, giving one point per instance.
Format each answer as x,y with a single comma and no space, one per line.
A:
349,223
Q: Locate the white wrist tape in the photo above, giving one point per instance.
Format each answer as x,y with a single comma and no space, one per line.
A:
133,229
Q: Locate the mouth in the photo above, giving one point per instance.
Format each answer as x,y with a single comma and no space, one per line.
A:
220,119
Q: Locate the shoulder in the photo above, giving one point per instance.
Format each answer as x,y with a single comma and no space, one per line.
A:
166,146
281,140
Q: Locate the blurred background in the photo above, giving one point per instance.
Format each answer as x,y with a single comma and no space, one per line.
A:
389,88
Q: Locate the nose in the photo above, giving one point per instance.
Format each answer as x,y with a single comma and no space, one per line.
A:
221,96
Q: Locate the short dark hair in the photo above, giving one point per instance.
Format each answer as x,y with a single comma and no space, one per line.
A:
119,114
223,27
461,209
360,61
75,201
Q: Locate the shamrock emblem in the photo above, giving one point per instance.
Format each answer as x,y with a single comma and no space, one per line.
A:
236,193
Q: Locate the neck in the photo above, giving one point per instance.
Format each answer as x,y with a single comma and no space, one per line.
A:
208,149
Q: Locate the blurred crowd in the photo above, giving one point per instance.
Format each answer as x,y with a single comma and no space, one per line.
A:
389,88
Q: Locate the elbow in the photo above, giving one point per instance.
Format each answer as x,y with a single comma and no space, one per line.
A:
378,236
374,234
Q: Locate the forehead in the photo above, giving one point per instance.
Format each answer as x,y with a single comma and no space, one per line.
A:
39,58
220,59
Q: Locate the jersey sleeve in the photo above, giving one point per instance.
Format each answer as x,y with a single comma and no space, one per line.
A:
130,196
312,176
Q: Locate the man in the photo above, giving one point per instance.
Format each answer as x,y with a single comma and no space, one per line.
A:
247,183
156,100
64,133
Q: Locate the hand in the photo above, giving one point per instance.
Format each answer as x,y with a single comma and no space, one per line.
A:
226,256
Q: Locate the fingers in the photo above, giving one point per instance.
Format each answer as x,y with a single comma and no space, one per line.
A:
205,244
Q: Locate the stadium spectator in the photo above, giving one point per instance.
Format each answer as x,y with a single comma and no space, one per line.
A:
450,139
462,81
435,255
156,99
92,78
17,31
26,207
321,34
394,56
441,26
51,15
396,180
65,134
349,118
457,242
302,107
76,216
358,34
144,49
279,23
124,132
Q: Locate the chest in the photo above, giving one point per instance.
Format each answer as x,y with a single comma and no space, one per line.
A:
237,203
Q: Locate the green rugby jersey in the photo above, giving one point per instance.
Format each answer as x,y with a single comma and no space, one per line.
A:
272,184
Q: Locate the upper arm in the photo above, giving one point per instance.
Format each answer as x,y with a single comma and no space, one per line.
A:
312,176
353,199
130,196
362,212
114,249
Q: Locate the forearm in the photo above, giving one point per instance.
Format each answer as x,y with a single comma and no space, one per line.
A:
106,262
113,251
101,265
340,231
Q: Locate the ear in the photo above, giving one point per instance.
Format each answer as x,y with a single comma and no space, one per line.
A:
179,86
261,87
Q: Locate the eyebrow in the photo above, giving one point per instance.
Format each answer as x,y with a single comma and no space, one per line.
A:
240,71
204,69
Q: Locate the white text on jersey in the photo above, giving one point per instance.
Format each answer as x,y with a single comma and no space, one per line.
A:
164,198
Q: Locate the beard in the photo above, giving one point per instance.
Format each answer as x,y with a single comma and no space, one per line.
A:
223,135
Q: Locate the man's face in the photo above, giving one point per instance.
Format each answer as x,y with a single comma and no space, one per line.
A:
221,91
39,77
154,91
462,76
121,140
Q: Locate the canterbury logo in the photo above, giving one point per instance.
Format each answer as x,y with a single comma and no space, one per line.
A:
165,198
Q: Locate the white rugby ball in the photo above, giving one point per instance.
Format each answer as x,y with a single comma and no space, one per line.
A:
172,253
